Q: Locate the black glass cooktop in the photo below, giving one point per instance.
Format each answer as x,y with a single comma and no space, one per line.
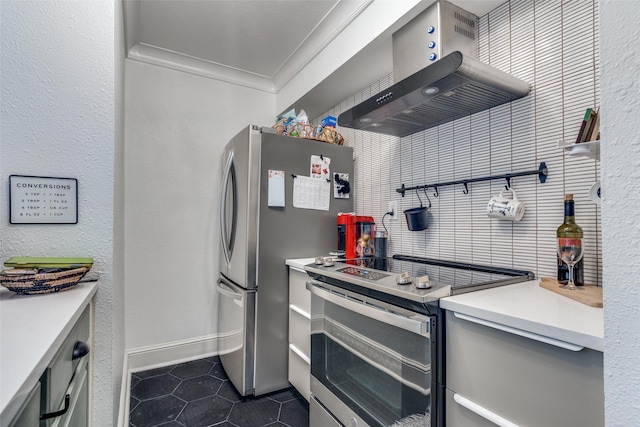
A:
383,278
455,274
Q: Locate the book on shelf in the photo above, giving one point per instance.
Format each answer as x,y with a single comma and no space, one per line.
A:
594,129
587,122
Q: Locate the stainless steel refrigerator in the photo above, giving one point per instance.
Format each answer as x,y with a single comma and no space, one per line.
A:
255,240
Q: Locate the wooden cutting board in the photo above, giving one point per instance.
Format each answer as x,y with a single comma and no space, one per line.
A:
590,295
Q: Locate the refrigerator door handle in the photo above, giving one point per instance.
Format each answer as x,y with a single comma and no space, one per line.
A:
227,291
228,239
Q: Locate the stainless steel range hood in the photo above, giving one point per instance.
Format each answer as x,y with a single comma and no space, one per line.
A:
451,87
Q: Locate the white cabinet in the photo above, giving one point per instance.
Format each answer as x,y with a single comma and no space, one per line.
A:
299,331
44,359
62,394
66,374
29,414
65,381
77,414
496,377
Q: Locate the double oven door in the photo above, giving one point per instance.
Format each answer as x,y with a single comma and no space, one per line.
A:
371,362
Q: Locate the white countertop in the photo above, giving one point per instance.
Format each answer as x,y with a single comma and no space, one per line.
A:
531,308
299,263
32,328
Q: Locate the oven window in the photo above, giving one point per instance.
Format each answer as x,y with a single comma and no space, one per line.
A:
381,372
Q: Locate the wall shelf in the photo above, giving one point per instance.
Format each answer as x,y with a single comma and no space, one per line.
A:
590,149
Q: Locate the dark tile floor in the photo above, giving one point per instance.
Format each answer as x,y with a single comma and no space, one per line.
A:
199,394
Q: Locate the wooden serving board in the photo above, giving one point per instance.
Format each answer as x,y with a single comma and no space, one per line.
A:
590,295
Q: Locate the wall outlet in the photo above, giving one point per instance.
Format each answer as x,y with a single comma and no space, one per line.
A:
393,207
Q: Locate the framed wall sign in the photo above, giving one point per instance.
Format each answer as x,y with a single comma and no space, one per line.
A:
43,200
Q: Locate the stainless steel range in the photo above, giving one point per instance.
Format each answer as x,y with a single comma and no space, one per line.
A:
377,337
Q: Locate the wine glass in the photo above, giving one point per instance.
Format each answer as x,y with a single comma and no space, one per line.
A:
570,249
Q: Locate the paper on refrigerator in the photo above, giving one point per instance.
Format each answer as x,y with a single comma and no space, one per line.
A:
311,193
320,167
276,189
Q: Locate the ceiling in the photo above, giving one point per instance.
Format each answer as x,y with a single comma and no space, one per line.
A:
260,44
257,43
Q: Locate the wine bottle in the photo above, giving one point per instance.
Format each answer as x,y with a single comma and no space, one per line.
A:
569,228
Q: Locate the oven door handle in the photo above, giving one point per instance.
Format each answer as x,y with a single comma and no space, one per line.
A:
415,323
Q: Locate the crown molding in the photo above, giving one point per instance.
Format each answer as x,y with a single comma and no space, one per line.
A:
319,39
327,29
177,61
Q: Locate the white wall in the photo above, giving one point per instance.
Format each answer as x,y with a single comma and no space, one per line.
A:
545,45
176,127
57,119
619,62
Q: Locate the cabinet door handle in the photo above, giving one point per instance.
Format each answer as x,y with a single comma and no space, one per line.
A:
483,412
57,413
300,354
80,349
515,331
300,311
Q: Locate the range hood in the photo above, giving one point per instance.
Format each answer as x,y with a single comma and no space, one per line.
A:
451,87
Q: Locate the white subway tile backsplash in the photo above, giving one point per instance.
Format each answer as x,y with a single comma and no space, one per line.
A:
500,38
483,38
543,7
554,46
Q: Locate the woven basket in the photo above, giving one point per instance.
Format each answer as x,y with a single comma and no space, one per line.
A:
325,134
42,283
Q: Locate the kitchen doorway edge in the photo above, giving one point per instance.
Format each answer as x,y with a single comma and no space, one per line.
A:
152,357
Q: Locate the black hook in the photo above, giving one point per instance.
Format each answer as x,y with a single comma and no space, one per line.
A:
508,186
466,189
418,194
435,187
427,194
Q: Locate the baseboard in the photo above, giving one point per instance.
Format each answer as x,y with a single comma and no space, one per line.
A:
145,358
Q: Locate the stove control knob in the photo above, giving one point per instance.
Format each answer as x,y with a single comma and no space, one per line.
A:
423,282
353,422
319,261
403,279
328,262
